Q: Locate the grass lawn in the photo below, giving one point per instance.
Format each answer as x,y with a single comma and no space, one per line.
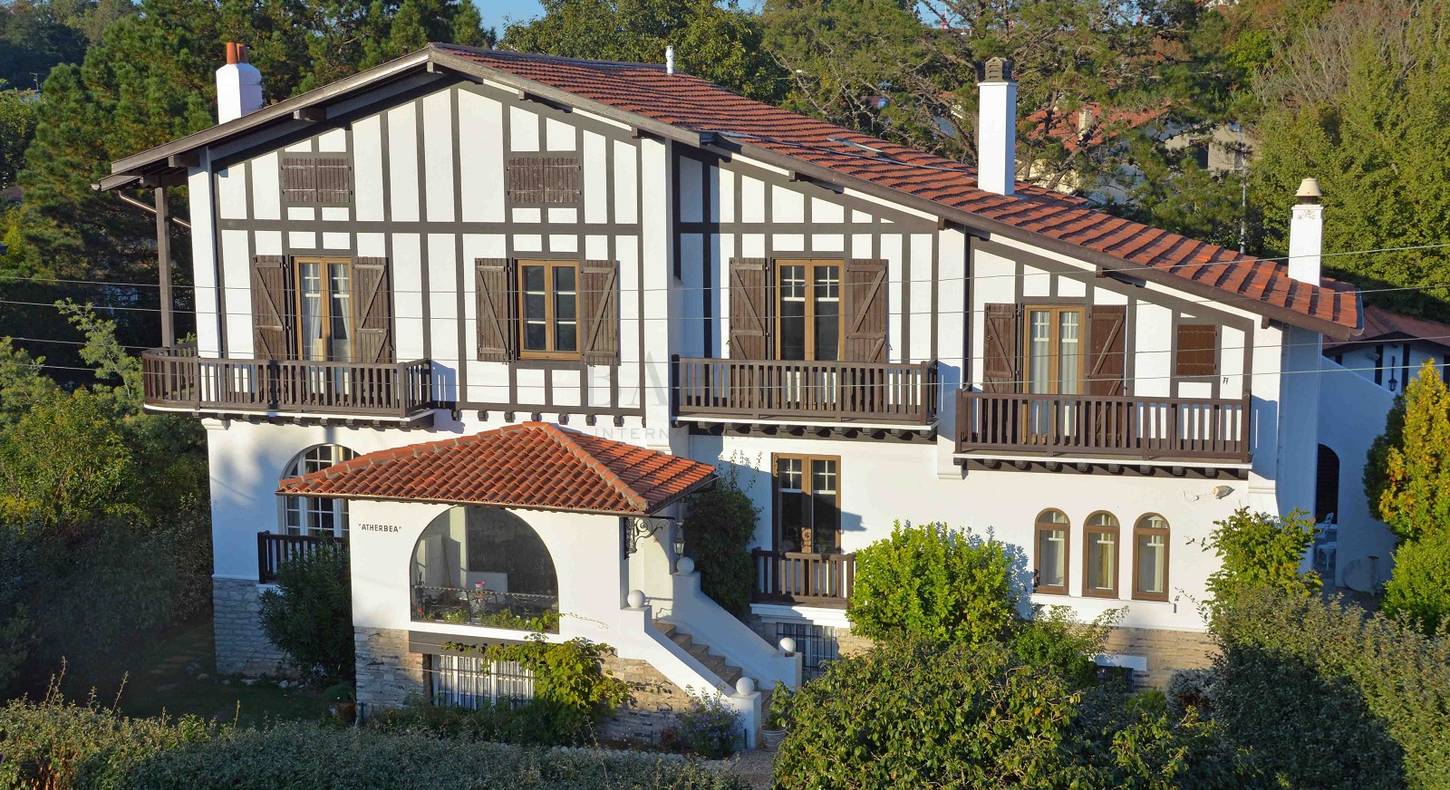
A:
177,675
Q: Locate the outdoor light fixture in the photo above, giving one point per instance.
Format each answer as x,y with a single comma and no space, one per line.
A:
677,540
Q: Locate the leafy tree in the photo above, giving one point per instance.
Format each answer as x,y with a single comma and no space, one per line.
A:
1407,474
309,615
17,126
1257,550
1417,587
930,581
717,41
719,524
34,37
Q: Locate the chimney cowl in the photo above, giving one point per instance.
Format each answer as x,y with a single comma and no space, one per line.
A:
997,70
1309,191
1306,234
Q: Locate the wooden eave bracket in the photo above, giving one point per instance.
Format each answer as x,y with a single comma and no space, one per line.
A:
310,114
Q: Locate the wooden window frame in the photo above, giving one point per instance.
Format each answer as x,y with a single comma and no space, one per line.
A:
1040,526
806,482
317,202
1054,352
1166,532
1179,363
326,303
1088,531
521,320
777,299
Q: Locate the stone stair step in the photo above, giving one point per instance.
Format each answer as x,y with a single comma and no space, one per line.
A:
726,671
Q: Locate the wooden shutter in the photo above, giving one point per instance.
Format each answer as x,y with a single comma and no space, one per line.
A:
1197,352
493,300
1001,359
334,181
865,311
316,179
1107,333
749,308
599,312
543,181
272,314
372,293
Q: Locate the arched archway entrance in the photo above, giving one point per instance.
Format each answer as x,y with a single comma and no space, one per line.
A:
484,566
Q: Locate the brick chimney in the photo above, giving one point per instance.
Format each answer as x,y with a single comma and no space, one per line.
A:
997,128
1306,233
238,85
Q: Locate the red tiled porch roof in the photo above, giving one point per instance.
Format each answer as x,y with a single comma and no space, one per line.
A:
532,465
701,107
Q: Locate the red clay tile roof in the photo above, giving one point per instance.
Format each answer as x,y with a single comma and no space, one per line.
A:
1382,324
698,106
532,465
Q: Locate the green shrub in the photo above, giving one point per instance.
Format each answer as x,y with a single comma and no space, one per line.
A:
719,524
1320,694
932,581
60,746
1419,587
531,723
309,615
572,692
1054,639
919,713
1260,550
710,729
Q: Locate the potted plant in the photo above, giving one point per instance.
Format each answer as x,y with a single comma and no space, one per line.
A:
773,732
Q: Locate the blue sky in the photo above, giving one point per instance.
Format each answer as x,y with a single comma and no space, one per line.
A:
496,13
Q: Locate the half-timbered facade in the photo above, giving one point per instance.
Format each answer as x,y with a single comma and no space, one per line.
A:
463,242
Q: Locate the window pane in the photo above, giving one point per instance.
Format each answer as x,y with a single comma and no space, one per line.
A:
792,519
825,513
1068,350
310,287
792,312
1102,551
1039,350
1051,557
828,312
535,336
565,327
340,311
1153,564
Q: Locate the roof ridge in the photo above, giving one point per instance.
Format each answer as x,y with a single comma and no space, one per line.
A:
565,439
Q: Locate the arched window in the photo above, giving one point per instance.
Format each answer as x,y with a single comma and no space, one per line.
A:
484,566
1100,555
316,516
1326,486
1150,558
1050,575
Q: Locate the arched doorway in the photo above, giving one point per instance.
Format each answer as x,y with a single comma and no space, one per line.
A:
484,566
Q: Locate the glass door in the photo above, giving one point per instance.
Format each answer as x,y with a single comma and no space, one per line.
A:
325,324
809,329
1054,366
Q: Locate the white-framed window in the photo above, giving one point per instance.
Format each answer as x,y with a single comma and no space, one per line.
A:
316,516
471,681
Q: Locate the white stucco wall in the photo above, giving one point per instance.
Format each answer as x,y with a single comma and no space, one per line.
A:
1352,410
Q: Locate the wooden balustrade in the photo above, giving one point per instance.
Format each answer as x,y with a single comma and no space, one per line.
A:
274,548
803,578
1144,428
833,392
179,378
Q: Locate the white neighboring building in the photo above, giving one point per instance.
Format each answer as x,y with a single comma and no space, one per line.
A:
465,247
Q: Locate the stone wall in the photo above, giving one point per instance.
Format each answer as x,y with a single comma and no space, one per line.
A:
1164,651
655,704
388,675
241,647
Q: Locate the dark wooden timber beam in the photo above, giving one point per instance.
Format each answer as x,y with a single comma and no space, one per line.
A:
163,263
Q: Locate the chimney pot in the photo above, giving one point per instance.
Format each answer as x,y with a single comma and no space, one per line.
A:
1309,191
1306,234
238,85
997,128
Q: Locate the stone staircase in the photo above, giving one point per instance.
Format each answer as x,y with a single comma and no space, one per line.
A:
726,671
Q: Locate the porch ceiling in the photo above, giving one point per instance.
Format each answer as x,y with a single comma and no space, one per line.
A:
533,465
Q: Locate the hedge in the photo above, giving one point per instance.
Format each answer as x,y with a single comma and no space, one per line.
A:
57,745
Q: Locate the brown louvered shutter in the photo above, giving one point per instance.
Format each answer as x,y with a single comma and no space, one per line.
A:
299,180
316,179
372,293
1197,353
599,312
749,308
865,311
1107,332
334,181
272,308
999,348
493,302
543,180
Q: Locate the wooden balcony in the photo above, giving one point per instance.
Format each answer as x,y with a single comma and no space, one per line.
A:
802,578
1121,428
846,394
274,549
177,379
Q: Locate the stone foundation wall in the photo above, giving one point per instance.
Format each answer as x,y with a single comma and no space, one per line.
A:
655,704
388,675
241,647
1165,652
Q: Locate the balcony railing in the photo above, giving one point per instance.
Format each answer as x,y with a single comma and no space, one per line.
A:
177,378
865,393
479,605
803,578
274,549
1136,428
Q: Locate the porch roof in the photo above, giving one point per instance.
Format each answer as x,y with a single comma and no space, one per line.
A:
532,465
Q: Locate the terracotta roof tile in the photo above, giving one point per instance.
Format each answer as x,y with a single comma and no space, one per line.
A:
696,105
533,465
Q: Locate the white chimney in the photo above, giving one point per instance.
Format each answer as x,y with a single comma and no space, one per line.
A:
1306,233
670,59
997,128
238,85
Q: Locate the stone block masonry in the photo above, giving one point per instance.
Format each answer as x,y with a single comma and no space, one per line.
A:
388,675
241,647
654,706
1166,652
